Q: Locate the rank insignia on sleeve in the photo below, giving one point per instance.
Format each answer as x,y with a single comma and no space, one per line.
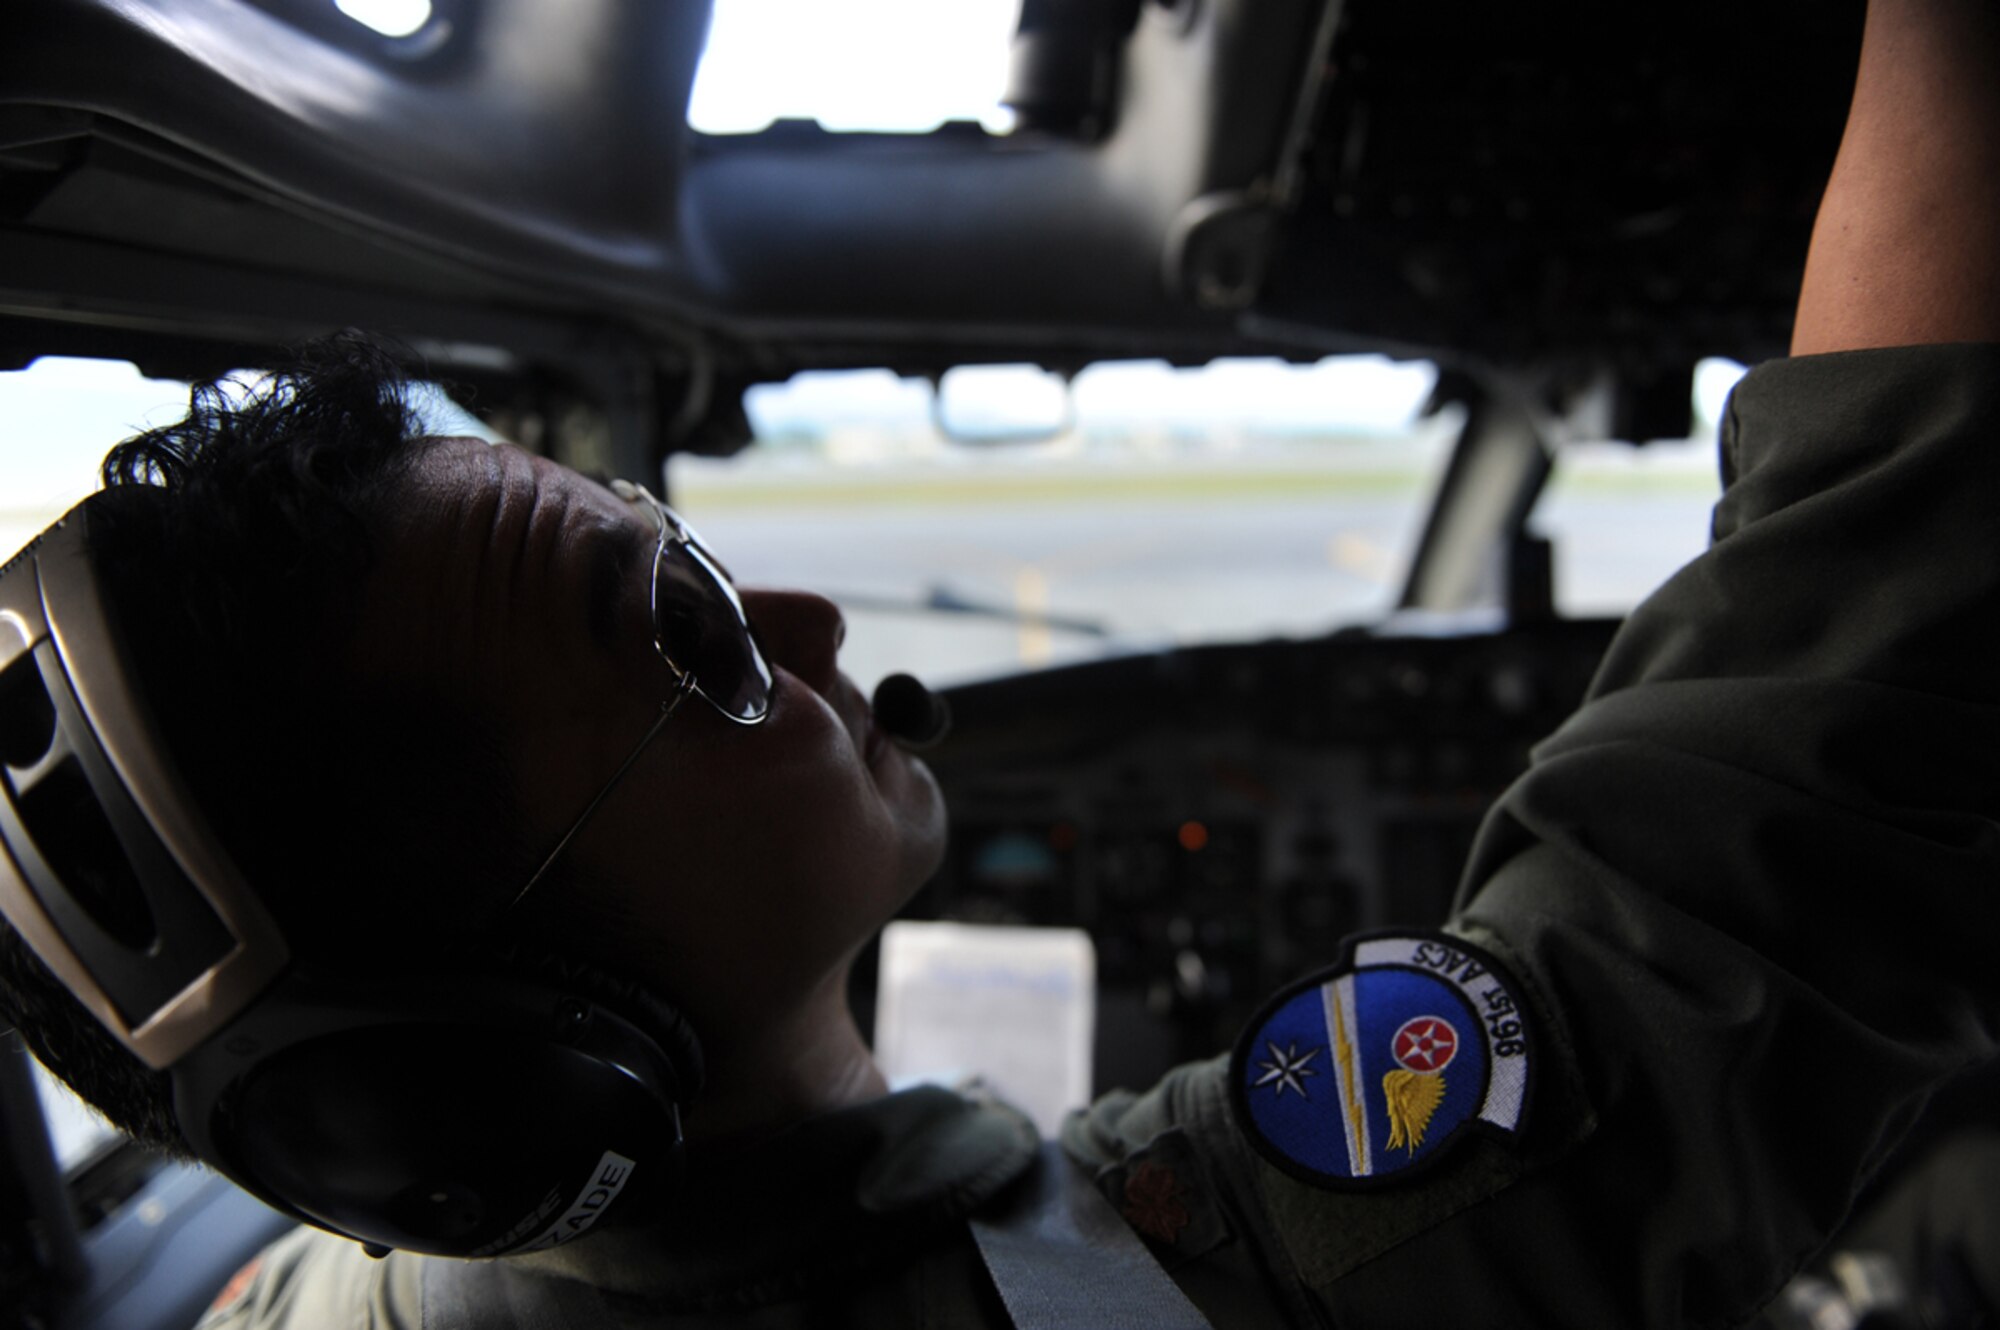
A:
1366,1074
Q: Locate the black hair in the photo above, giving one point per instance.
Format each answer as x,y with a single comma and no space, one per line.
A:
232,547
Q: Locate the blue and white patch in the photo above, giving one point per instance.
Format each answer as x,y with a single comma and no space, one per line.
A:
1370,1072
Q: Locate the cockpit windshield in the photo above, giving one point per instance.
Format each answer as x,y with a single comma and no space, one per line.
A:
1240,500
1159,506
988,527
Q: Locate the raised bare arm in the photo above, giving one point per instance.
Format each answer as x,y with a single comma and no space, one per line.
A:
1907,245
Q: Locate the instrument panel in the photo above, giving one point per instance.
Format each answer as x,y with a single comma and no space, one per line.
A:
1219,818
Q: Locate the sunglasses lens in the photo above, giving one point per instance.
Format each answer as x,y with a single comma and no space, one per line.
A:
704,631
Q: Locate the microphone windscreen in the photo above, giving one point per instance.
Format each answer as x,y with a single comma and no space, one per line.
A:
910,713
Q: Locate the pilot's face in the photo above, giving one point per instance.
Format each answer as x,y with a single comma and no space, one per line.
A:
741,865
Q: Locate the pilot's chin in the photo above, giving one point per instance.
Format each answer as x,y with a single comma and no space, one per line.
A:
925,822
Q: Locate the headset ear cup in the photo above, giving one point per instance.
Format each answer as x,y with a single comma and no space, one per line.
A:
450,1140
492,1100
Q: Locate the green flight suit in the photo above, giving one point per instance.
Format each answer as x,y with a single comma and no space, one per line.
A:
1752,889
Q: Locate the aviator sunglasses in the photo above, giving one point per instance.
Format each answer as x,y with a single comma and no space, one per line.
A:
703,634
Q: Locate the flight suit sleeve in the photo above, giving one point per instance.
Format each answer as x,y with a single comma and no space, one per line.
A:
1749,891
1753,879
309,1280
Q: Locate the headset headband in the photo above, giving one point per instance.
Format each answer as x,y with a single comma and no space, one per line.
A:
500,1113
111,874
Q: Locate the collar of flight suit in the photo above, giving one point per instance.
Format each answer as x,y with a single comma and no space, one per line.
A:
829,1200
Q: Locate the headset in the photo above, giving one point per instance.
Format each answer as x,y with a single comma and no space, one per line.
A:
504,1103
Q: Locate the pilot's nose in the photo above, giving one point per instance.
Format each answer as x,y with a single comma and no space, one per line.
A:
800,631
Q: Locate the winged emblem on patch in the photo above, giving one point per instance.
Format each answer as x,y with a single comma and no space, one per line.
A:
1422,1047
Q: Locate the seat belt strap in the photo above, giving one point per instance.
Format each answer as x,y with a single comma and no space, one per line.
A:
1062,1257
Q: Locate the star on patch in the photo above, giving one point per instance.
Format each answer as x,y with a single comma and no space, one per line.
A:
1286,1068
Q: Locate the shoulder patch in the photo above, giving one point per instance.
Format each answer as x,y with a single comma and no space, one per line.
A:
1366,1074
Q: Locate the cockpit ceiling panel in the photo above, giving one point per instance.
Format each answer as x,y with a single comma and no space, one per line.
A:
1539,181
1520,185
532,138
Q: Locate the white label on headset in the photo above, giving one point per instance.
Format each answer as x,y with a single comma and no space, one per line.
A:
613,1171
